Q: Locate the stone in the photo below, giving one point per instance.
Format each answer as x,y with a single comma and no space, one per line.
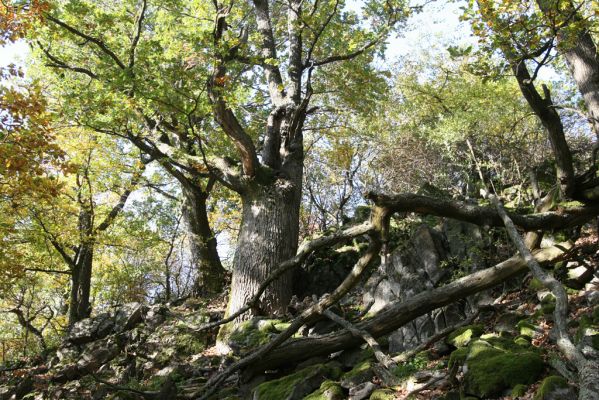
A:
328,390
295,386
128,315
91,329
555,388
362,391
463,336
498,364
361,373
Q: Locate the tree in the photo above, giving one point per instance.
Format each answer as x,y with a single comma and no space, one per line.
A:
247,85
531,44
91,201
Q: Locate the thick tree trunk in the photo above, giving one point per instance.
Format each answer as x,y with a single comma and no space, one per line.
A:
583,62
210,273
269,235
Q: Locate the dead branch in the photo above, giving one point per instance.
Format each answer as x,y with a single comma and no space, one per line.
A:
481,215
399,313
588,371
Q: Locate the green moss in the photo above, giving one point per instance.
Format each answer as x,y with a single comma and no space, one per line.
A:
526,328
328,390
492,369
536,285
252,333
458,357
519,390
587,327
548,385
279,389
523,341
548,308
383,394
358,369
189,344
415,364
462,336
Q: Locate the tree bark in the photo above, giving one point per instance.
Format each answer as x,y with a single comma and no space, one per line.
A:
210,272
268,236
79,304
579,50
545,110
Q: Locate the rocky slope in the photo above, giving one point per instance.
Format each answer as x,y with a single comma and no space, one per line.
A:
495,345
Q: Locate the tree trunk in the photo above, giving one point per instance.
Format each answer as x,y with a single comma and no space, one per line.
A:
210,272
545,110
579,50
584,65
269,235
80,306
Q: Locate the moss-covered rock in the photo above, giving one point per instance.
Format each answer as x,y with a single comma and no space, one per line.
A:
519,390
329,390
253,333
362,372
383,394
526,328
463,336
588,332
295,386
553,388
498,364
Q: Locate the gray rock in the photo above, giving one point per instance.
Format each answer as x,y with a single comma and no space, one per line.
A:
362,391
128,315
91,329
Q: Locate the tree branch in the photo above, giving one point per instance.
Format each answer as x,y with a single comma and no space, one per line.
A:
99,43
480,215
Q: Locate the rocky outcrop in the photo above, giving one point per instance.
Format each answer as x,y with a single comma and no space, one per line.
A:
429,259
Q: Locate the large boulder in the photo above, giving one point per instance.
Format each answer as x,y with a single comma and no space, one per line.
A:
91,329
296,386
431,257
494,366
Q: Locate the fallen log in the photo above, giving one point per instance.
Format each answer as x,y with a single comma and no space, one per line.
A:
398,313
483,215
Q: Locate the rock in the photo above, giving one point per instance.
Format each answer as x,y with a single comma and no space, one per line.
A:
328,390
297,385
67,354
555,388
128,315
156,315
91,329
362,391
425,262
383,394
507,323
361,373
463,336
497,364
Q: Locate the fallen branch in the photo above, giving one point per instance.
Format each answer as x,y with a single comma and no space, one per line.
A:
588,371
399,313
384,359
378,227
480,215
